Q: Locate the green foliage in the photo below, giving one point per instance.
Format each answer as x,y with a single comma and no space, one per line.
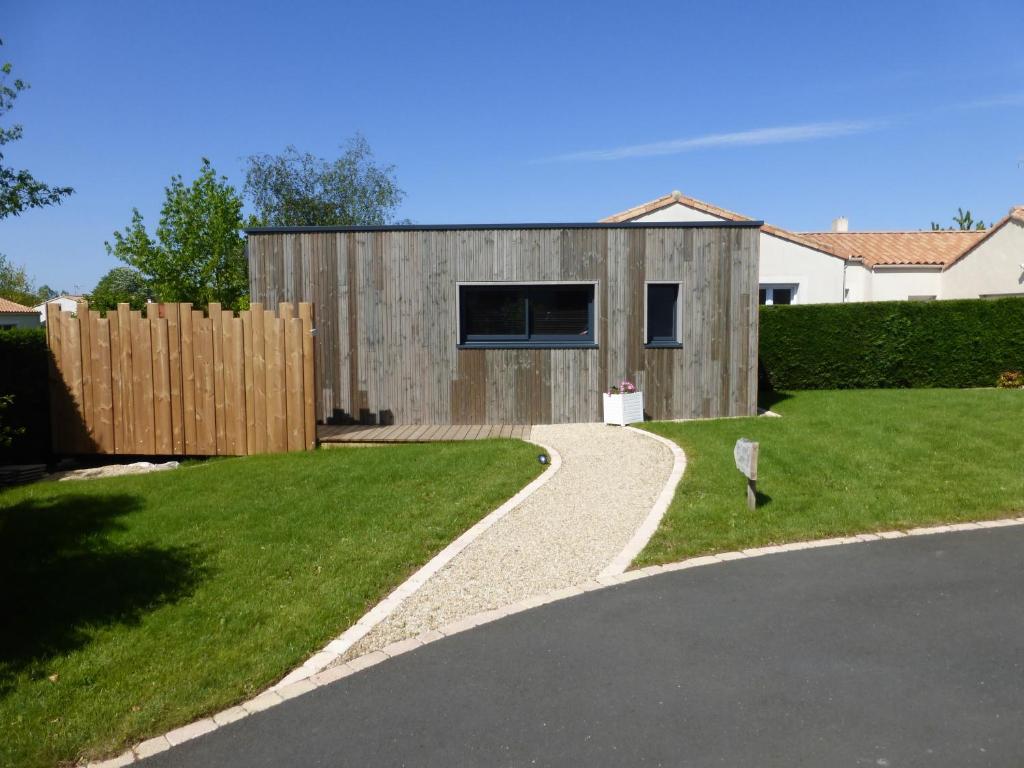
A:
19,189
300,189
841,463
1010,380
964,343
7,432
23,377
121,284
198,254
963,220
15,284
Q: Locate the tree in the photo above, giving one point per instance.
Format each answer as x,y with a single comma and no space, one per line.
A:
963,220
121,284
300,189
15,284
19,189
198,254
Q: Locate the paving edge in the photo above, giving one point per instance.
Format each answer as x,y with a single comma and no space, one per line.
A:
650,524
278,695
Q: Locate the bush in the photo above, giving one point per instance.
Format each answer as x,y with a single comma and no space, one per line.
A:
966,343
1010,380
24,372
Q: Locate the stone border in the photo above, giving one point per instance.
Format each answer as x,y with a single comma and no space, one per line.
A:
279,694
650,524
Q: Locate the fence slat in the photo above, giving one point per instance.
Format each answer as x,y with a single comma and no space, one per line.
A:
296,412
117,385
81,319
124,321
277,436
259,378
172,314
217,322
188,381
245,318
142,383
308,376
206,419
163,435
103,398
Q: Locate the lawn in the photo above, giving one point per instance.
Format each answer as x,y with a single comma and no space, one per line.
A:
843,462
133,605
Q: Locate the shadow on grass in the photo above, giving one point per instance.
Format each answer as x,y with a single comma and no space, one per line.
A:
768,398
61,577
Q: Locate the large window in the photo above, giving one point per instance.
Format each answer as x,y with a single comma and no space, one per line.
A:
777,294
518,315
663,315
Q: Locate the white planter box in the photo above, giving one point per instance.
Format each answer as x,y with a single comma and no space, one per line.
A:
623,409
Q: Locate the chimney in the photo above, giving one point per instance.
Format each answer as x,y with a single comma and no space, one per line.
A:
842,224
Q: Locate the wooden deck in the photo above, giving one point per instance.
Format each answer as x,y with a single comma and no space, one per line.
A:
418,433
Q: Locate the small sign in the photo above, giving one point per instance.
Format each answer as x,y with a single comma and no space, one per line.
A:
745,454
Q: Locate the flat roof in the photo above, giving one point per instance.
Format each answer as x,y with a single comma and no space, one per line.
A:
455,227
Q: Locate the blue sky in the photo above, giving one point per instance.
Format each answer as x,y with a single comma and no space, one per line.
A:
892,114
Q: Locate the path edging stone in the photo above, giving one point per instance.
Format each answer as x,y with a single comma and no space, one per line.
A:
643,534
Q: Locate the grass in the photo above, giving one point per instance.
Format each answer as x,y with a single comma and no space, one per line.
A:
843,462
133,605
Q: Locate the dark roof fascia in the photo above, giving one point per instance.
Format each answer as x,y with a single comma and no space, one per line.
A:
458,227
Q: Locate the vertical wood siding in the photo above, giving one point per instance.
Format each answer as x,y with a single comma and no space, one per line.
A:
387,326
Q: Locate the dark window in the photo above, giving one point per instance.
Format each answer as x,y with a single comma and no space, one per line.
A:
783,296
663,315
762,296
526,315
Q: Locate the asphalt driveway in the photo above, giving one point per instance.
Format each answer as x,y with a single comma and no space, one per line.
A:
905,652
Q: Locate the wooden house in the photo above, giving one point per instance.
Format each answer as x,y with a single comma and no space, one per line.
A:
521,324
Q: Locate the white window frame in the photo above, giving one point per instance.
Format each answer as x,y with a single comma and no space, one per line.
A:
770,288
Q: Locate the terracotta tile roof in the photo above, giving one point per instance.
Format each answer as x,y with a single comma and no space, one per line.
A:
937,248
8,306
713,210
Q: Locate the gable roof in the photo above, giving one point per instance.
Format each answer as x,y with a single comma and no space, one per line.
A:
940,248
674,198
9,307
924,248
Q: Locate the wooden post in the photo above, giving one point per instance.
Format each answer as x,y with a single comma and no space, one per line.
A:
745,454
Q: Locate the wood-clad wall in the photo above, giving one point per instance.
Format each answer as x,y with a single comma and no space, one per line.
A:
387,327
176,382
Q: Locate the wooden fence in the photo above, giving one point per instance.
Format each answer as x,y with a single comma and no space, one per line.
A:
176,382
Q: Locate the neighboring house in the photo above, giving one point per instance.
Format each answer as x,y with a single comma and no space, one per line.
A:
15,315
837,266
520,324
67,304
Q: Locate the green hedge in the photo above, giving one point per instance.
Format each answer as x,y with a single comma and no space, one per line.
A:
24,374
891,344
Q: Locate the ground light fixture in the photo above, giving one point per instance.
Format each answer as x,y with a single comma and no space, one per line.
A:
542,458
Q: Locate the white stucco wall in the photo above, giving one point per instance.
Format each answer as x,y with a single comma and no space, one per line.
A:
678,212
900,283
994,267
19,319
818,276
66,305
858,282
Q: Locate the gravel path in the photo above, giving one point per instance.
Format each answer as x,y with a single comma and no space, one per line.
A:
564,534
